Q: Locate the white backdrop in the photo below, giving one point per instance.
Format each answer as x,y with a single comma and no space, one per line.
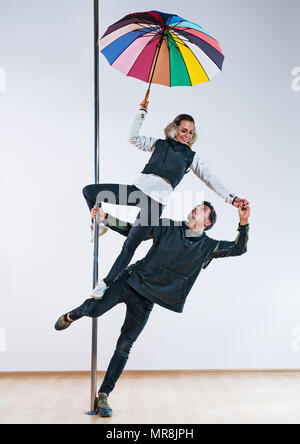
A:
242,312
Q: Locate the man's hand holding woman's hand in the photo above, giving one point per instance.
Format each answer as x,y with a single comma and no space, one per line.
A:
240,202
244,209
244,213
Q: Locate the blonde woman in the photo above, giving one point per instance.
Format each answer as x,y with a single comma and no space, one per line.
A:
171,159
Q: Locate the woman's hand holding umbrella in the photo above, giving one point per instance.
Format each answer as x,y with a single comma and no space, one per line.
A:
144,107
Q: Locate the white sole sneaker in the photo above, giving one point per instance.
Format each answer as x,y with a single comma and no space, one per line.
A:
99,291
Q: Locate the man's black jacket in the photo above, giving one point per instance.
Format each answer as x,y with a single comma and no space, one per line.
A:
170,268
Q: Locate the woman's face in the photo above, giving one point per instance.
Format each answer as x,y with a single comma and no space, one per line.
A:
186,131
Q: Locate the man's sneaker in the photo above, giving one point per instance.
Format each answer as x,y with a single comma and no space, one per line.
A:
99,291
103,408
62,323
101,231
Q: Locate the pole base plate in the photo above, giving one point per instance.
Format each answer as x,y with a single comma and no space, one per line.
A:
92,413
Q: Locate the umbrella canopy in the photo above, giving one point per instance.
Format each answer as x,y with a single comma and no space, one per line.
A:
162,48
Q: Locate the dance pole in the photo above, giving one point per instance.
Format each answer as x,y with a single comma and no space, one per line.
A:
96,229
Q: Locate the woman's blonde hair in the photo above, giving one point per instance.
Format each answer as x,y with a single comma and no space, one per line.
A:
171,130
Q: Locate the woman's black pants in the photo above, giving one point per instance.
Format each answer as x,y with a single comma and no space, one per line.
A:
129,195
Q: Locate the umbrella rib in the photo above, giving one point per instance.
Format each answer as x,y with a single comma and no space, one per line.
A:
177,45
186,69
208,55
142,25
187,27
181,43
139,37
150,41
183,39
154,31
178,31
157,54
193,54
199,62
129,46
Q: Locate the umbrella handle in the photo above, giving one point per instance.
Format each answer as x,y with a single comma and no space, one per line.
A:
144,103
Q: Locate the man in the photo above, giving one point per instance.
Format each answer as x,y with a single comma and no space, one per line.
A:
164,276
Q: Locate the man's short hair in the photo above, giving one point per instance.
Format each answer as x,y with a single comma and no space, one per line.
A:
212,216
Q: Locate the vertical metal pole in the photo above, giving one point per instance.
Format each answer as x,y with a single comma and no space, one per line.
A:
96,238
96,86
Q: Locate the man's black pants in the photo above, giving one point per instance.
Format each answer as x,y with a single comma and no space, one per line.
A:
137,314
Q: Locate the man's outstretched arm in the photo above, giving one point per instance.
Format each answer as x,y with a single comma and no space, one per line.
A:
239,246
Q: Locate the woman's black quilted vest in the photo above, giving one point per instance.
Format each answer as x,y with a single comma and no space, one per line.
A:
170,160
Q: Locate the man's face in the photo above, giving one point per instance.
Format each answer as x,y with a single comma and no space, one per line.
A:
200,217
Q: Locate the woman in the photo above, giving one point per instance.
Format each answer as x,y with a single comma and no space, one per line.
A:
171,159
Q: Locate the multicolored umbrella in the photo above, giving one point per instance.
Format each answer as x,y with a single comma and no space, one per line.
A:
162,48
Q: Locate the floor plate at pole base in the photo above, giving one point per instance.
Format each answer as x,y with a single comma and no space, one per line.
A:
95,413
